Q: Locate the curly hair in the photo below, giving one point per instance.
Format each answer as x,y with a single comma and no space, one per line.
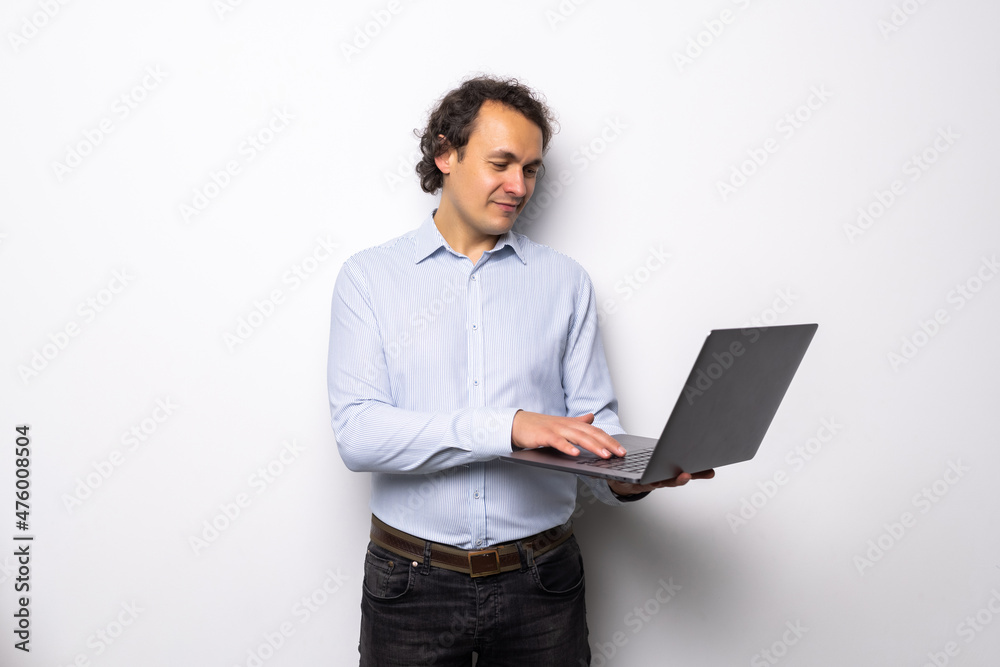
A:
455,116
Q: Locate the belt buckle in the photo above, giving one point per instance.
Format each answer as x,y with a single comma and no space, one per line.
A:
484,563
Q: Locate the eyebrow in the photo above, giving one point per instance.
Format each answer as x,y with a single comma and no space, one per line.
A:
507,155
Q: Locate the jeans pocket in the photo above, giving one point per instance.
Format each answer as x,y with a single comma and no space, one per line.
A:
559,571
387,576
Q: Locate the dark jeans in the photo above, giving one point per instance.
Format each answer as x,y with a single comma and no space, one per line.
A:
422,615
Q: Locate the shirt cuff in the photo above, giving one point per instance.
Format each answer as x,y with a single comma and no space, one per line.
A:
631,498
491,429
596,488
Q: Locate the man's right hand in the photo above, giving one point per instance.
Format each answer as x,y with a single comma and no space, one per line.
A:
567,434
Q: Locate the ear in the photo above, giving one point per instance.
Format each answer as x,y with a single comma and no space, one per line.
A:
445,158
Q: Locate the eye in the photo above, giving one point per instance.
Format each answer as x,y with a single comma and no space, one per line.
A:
500,166
531,172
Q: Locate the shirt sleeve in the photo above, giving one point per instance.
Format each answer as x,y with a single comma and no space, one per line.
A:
587,381
373,434
597,488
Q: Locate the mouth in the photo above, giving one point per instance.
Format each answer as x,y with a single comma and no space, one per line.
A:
507,207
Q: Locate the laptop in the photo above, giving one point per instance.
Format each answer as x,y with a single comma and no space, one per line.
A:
721,416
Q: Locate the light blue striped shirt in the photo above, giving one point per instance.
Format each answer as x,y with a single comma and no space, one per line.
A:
430,357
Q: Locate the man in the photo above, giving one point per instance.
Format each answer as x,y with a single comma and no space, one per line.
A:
449,346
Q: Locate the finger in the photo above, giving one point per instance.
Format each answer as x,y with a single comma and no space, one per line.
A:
598,442
564,446
606,441
569,444
598,447
573,442
617,447
680,480
686,477
593,440
591,446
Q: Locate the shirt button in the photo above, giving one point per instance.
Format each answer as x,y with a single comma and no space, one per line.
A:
475,495
479,543
475,382
473,277
475,327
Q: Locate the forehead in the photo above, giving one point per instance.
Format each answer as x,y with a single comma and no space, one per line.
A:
499,126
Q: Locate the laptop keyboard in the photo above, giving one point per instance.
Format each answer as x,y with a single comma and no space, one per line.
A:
631,462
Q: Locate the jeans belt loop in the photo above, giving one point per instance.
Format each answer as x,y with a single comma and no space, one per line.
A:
425,567
522,553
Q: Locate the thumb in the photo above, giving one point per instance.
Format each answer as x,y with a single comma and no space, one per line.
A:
587,418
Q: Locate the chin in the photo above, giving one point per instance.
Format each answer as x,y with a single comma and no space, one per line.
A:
502,226
506,227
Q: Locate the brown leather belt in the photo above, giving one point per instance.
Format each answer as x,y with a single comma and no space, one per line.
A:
498,558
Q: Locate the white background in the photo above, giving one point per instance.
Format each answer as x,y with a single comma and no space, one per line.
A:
664,120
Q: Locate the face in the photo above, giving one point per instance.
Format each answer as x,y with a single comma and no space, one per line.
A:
487,189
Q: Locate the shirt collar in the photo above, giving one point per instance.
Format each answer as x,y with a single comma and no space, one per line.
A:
429,240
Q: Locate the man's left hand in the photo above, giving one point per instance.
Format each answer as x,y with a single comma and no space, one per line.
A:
627,489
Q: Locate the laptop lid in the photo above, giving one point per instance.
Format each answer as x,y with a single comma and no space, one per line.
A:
723,412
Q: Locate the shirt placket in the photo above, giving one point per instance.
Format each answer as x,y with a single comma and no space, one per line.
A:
477,398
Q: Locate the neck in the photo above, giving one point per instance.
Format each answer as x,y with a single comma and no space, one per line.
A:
461,237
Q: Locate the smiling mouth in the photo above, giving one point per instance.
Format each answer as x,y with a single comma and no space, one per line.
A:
507,206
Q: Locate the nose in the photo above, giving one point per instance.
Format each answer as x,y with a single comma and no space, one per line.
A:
514,184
